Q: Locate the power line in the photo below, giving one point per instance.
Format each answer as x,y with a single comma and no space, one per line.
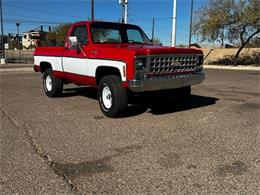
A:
29,21
13,30
151,19
161,29
26,16
25,24
135,11
42,11
141,19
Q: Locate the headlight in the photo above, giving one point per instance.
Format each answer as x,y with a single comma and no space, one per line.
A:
140,63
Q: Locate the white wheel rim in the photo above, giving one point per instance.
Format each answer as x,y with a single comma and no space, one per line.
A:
107,97
48,83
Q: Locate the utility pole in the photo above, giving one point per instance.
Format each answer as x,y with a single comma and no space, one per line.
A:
126,11
222,37
153,30
2,35
174,23
123,13
191,17
92,10
124,4
18,40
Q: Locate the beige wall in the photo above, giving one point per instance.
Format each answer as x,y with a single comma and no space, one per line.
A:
214,55
221,53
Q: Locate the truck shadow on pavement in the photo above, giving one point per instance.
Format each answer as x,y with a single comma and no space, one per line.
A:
171,105
157,105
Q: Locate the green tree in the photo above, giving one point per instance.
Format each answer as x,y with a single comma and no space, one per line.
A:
237,21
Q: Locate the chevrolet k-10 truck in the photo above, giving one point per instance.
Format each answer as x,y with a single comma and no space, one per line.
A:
118,59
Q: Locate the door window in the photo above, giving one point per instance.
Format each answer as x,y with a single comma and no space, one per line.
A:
134,36
81,33
103,35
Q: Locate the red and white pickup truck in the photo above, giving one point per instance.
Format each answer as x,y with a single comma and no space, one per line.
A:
118,59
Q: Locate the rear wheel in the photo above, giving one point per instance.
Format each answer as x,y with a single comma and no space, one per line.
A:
112,95
52,86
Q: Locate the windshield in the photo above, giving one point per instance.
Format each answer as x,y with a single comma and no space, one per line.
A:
117,33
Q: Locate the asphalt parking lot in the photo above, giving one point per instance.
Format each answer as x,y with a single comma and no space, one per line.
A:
210,145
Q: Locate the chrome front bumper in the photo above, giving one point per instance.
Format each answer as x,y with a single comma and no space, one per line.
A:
162,83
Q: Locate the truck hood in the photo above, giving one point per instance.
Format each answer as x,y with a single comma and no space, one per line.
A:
141,49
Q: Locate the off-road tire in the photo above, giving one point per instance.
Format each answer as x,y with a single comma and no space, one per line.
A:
52,86
116,93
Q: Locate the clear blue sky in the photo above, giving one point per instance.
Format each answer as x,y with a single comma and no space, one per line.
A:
33,13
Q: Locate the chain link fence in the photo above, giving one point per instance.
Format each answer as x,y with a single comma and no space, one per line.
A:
16,56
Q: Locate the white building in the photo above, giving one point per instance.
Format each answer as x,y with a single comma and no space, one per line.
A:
30,39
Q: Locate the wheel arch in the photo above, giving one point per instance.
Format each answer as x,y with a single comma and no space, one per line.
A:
45,65
102,71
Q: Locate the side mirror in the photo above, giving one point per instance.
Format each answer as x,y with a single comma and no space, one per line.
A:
73,42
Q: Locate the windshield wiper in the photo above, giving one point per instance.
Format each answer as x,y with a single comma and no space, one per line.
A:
136,42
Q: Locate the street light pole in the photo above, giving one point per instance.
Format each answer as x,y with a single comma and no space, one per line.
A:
191,17
2,35
126,11
92,10
18,38
124,4
174,23
123,14
153,30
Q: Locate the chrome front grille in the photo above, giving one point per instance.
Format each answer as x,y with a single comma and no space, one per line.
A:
169,64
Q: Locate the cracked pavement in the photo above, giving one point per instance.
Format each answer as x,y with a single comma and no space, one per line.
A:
22,169
66,146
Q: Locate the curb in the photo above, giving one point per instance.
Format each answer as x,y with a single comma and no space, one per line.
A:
25,69
251,68
14,66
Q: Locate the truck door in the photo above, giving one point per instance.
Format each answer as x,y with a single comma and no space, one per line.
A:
75,61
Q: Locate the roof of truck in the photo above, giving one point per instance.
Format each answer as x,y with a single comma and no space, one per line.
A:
98,21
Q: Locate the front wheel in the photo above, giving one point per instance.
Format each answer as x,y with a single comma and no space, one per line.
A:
52,86
112,95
